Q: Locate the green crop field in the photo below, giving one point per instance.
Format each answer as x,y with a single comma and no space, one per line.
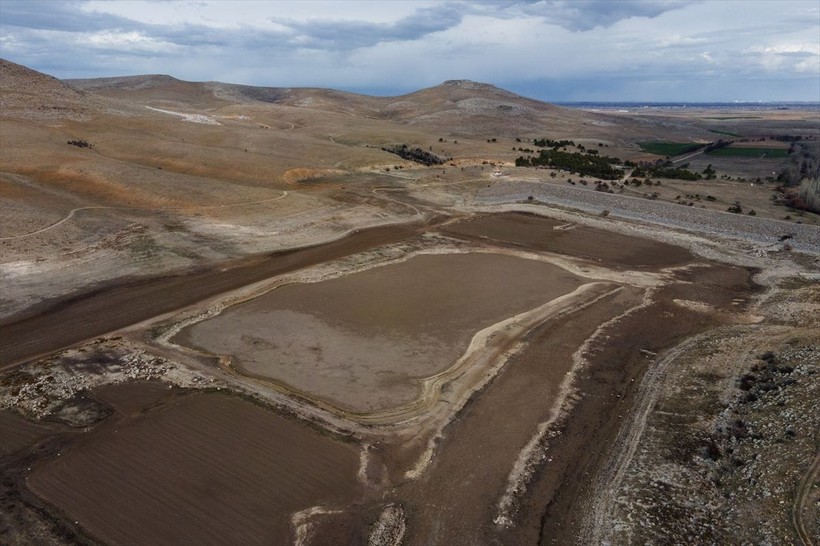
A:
769,153
669,148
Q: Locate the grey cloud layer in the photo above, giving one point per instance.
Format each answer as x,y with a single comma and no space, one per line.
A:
579,15
569,50
355,34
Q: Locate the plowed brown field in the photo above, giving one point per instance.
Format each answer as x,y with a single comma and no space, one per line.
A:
17,433
206,469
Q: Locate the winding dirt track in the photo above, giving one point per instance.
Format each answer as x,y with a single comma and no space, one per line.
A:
802,499
52,325
630,436
72,212
629,440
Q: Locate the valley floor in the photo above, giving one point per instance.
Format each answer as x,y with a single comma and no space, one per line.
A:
650,352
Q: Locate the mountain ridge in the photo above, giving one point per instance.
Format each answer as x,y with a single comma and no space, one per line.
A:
441,96
459,108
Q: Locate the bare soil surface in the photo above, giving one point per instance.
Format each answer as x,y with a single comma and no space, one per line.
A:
609,388
120,304
543,234
766,233
458,499
161,477
567,383
134,397
364,340
19,433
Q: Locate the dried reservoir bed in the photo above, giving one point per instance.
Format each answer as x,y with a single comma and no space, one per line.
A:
363,341
201,469
123,302
166,467
550,235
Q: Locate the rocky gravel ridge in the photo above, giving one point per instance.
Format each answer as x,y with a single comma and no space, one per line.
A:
733,437
771,233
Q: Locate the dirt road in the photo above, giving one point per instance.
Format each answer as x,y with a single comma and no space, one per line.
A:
802,499
629,438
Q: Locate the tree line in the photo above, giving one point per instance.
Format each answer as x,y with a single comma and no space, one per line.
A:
576,163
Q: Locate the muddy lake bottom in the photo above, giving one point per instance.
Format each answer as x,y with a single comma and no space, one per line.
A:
363,341
548,235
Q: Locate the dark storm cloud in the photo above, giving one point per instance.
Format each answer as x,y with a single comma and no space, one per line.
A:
59,26
580,15
355,34
59,16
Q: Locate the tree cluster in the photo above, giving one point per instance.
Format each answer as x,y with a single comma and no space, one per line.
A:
717,145
786,138
803,163
678,173
806,196
415,154
664,169
549,143
709,172
575,163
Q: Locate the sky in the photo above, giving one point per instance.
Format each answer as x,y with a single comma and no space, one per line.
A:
553,50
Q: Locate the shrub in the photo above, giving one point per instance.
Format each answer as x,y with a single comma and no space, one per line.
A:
809,194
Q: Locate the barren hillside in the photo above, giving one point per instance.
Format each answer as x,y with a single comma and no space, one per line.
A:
455,107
